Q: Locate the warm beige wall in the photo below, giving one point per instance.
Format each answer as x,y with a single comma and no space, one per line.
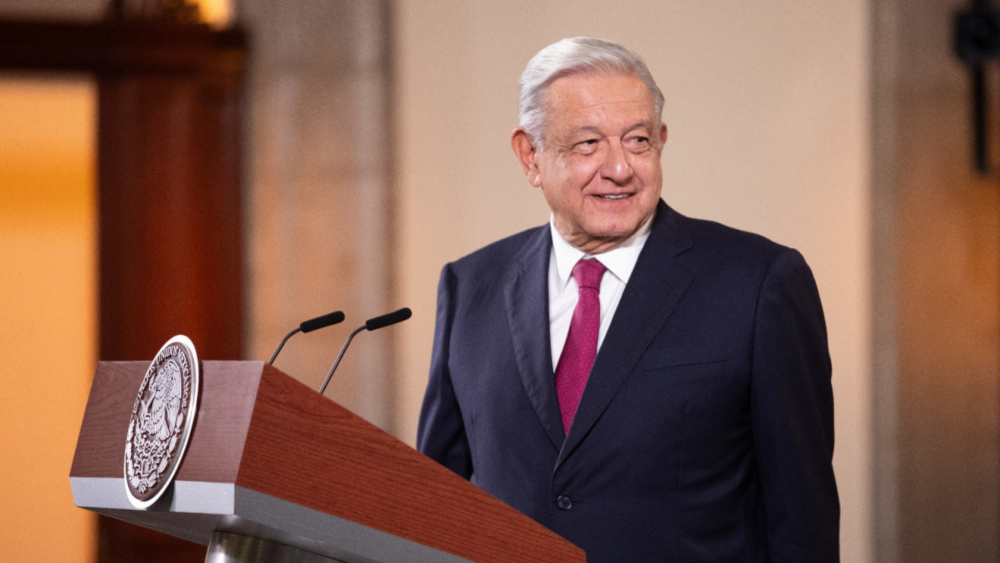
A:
48,304
767,110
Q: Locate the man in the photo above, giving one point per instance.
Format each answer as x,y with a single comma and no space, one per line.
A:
651,387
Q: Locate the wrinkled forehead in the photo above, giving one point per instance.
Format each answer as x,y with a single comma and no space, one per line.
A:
599,75
599,96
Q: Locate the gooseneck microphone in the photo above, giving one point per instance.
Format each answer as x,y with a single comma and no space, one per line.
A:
371,324
326,320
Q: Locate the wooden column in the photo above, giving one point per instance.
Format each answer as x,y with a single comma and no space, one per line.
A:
170,234
170,214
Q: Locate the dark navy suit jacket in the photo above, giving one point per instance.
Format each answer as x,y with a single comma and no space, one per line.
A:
705,432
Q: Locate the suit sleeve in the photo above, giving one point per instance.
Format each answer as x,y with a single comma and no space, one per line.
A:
441,430
792,409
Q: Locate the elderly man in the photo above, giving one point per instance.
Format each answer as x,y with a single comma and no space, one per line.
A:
649,386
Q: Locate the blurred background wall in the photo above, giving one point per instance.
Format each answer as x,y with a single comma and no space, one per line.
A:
48,302
376,149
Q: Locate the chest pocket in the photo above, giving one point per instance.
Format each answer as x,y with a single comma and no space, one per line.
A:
672,357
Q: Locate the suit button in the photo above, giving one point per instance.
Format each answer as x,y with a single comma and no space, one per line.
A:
564,502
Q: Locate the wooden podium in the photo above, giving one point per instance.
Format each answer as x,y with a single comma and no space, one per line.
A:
276,472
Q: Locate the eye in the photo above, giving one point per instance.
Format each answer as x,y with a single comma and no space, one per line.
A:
587,146
637,143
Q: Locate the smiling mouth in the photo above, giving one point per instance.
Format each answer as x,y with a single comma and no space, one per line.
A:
614,196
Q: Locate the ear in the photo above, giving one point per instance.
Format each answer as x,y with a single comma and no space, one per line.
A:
525,151
663,134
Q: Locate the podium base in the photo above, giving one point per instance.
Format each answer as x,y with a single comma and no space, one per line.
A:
235,548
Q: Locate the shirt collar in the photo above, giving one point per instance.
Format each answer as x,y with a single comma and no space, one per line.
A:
620,261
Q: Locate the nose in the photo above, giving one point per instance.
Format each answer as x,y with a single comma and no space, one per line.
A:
616,167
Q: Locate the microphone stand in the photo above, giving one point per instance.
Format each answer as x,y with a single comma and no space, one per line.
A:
340,357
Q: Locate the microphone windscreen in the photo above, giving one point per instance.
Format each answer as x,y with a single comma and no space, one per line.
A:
388,319
322,322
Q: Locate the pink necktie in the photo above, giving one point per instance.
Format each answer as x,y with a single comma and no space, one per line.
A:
581,344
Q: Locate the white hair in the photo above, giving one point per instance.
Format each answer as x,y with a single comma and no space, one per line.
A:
577,55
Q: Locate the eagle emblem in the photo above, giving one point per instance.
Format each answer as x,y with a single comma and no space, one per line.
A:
161,422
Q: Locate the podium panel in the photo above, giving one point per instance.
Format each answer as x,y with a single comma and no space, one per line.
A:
271,460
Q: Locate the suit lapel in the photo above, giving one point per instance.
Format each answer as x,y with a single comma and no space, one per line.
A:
653,291
527,302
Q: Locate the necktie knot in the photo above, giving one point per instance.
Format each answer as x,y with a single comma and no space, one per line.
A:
588,273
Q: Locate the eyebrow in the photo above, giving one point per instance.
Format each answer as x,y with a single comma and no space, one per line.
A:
630,128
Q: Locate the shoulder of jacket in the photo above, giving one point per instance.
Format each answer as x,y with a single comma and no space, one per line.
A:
498,254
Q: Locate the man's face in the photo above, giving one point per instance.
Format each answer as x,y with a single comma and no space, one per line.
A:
600,169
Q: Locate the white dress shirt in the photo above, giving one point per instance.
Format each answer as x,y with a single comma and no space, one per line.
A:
563,291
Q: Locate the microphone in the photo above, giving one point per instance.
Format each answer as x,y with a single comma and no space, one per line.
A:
309,326
371,324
